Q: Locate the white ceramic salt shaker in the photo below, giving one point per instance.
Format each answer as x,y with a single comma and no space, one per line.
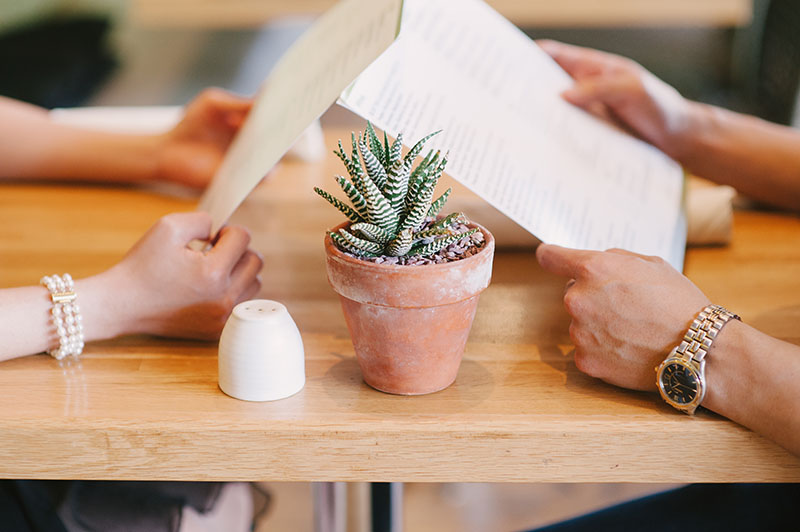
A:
261,355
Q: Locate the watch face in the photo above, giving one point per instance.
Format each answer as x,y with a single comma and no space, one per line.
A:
679,383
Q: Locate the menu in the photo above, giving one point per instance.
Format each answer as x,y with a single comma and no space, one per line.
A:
562,174
305,82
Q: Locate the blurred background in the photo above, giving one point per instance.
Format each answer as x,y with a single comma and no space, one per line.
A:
741,54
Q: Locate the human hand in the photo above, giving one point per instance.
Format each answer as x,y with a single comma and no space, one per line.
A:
191,152
171,290
617,88
628,311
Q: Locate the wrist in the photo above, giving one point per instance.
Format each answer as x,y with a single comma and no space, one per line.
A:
681,377
684,141
107,311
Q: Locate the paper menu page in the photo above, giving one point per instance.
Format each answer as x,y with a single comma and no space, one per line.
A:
305,82
563,175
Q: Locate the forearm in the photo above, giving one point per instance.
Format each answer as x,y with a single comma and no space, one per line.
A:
25,321
754,379
758,158
32,146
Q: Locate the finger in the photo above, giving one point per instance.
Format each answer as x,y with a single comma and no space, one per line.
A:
251,291
235,120
648,258
224,101
230,245
620,251
575,60
563,261
609,90
186,226
246,270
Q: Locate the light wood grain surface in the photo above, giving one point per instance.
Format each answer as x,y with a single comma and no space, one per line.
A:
565,13
148,408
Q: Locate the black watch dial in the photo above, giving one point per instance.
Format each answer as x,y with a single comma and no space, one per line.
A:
679,383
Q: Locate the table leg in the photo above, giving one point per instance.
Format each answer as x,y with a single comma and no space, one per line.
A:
387,507
330,506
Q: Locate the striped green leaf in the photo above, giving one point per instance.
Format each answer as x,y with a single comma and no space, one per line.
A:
397,188
438,171
426,183
396,151
353,169
375,144
438,245
372,232
438,203
355,196
447,221
342,155
375,170
354,155
342,206
365,246
345,245
386,149
431,158
431,233
378,207
416,216
419,176
400,245
412,154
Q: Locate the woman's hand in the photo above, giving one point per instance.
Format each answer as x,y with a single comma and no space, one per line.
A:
171,290
618,88
628,311
190,153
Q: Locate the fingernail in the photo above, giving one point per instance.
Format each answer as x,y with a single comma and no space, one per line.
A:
571,95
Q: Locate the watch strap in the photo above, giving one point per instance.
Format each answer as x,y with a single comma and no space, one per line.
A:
703,330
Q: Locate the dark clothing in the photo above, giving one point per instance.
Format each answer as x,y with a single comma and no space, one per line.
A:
699,508
110,506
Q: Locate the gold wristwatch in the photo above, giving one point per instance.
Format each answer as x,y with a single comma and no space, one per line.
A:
681,378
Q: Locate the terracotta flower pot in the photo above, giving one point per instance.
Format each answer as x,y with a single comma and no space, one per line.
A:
409,324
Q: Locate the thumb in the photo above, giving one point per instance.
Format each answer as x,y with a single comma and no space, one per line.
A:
186,226
608,91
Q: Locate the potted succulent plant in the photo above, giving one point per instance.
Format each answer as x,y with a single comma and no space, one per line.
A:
408,278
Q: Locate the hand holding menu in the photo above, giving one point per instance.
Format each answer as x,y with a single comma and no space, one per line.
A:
305,82
563,175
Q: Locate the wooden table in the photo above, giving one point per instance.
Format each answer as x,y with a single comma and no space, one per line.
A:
149,408
540,13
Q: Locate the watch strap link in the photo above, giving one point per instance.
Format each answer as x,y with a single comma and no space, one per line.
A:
703,330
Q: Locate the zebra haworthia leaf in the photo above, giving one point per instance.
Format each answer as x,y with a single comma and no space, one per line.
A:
375,144
361,244
431,233
345,245
400,245
372,232
356,198
390,199
375,169
438,203
339,204
447,221
438,245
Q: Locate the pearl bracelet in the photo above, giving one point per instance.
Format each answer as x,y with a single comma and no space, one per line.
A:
67,318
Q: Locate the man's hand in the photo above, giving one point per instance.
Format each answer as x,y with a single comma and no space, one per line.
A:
618,88
628,310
